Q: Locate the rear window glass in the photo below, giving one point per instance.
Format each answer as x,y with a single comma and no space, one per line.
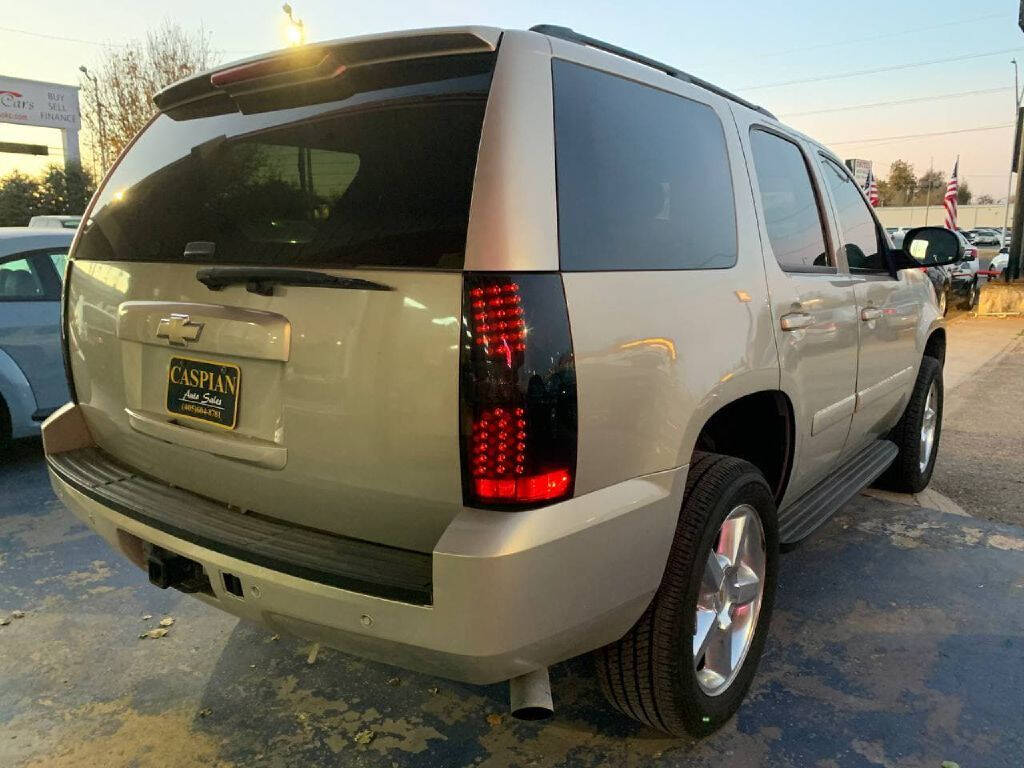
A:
643,177
380,178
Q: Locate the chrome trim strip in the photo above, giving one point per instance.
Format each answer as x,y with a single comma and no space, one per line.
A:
833,414
882,388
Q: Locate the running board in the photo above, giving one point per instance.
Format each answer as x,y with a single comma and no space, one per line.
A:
801,518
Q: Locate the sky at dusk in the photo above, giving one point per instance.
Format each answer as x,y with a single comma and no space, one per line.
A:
783,55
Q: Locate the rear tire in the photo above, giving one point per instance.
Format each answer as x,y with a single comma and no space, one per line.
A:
943,299
972,295
912,470
653,674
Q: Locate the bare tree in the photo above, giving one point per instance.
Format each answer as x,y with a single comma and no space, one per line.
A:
120,99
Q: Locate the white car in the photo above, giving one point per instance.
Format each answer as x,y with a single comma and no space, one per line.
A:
55,222
966,270
999,262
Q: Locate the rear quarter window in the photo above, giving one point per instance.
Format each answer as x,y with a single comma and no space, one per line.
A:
643,177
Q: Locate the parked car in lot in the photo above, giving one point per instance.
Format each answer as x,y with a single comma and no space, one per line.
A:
999,262
55,222
32,379
473,359
964,277
984,237
941,278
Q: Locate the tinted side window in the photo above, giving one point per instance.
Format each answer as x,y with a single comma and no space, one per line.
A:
20,281
856,223
643,177
790,207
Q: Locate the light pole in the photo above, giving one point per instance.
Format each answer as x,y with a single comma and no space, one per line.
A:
295,32
1009,178
99,113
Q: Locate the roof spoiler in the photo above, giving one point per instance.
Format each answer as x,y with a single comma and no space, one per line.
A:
207,92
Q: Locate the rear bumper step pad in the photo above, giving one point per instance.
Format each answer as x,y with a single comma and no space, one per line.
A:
351,564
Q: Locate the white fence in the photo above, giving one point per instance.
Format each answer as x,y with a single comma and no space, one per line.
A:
968,216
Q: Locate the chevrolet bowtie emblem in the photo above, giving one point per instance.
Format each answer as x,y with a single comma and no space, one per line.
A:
178,329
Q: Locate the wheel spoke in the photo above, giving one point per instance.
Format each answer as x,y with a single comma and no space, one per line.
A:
730,541
718,654
704,630
714,572
746,586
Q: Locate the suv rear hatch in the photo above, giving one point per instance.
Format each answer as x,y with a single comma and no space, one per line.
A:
264,306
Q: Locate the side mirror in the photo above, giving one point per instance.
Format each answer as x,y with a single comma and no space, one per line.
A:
933,246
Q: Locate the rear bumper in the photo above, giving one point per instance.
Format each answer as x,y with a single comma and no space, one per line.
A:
512,592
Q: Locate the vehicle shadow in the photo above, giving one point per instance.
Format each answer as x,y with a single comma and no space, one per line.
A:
263,694
24,482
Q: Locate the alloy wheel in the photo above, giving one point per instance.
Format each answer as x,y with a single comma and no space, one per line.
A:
929,421
729,600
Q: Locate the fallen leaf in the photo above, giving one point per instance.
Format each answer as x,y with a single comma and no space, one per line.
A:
275,638
205,712
433,690
312,653
4,621
167,622
364,737
147,617
17,614
493,719
154,634
393,681
950,764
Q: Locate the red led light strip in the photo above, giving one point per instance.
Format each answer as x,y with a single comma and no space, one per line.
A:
498,322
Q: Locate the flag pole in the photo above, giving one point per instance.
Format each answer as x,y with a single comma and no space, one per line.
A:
928,199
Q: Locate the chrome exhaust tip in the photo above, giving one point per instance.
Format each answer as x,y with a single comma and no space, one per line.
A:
530,696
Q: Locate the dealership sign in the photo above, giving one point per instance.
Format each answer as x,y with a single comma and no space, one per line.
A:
29,102
46,105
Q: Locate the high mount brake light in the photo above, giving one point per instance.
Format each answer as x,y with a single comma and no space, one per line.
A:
518,391
288,68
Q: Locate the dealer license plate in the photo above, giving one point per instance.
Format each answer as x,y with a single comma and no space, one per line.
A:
204,390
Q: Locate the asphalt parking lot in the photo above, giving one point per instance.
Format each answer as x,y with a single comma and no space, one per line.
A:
898,640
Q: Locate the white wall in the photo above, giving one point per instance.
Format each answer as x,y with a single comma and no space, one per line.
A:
968,216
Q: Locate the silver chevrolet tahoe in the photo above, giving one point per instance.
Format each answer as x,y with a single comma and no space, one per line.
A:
473,350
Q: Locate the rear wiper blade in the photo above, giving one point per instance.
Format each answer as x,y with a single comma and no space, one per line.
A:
262,280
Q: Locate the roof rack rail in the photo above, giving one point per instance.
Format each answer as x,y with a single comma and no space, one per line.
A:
564,33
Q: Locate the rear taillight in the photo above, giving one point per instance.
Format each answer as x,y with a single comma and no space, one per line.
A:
518,391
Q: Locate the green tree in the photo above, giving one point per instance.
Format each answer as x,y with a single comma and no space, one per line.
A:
65,191
902,182
19,199
885,194
963,194
930,188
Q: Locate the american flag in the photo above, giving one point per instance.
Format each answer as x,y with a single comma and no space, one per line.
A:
949,201
871,189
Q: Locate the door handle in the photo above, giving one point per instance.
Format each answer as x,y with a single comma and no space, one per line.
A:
870,313
794,321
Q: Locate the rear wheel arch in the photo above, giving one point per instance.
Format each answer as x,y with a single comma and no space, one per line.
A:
935,346
759,428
